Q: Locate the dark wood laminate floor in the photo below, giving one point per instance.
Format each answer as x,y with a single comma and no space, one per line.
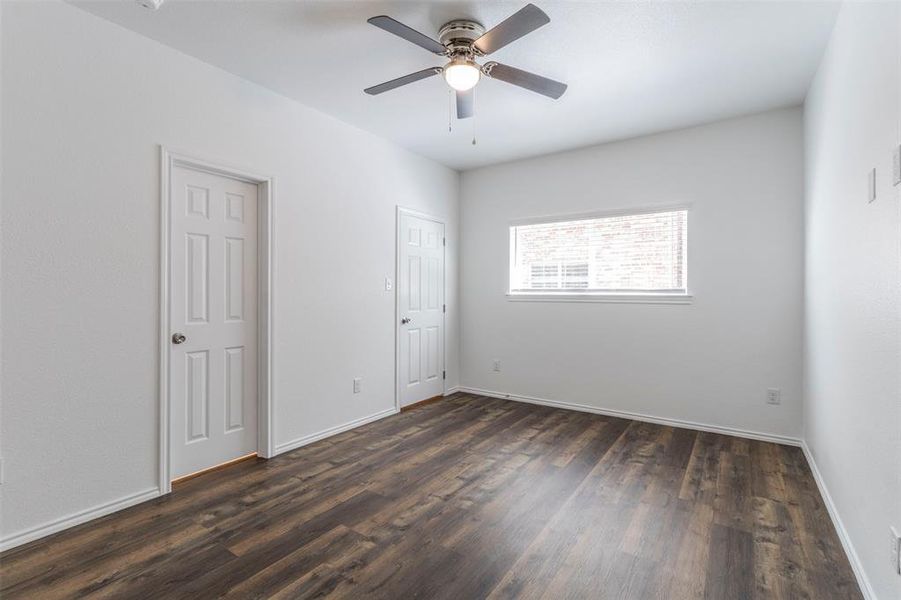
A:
468,498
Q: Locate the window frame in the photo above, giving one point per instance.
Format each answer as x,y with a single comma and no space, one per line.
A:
628,297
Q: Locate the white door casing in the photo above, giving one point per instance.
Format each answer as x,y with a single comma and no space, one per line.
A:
420,307
213,303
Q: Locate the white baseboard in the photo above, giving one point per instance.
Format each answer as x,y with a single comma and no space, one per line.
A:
453,390
862,581
29,535
743,433
315,437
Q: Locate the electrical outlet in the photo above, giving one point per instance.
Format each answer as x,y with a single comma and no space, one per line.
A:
358,384
896,550
496,366
774,396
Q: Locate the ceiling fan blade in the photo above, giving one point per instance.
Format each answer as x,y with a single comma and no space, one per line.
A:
524,79
411,35
396,83
465,103
526,20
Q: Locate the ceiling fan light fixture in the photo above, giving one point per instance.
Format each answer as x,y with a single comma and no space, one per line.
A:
462,74
462,41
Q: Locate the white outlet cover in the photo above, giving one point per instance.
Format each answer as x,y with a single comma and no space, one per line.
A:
358,384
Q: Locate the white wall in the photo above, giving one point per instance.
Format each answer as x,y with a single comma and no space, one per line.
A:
709,362
852,407
84,106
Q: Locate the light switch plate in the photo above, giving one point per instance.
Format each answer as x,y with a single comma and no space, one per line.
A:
896,166
389,285
871,181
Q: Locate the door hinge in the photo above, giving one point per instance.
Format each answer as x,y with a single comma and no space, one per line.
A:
444,308
444,241
443,374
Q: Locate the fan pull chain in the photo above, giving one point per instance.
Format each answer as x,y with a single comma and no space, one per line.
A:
450,109
473,130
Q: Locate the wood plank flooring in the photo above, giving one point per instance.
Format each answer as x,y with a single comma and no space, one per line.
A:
467,498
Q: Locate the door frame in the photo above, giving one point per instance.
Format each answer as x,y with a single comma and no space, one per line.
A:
402,211
265,300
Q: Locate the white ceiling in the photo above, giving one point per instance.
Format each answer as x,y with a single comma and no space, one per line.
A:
632,68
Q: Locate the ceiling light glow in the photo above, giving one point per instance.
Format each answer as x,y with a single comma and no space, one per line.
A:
462,74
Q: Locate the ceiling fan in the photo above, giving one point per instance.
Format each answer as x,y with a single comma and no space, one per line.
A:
462,41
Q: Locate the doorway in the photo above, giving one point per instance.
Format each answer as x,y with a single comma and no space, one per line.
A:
421,307
216,317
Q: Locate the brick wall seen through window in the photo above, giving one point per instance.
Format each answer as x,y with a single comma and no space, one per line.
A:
632,253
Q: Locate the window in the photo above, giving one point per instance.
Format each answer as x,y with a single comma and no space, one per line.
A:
640,254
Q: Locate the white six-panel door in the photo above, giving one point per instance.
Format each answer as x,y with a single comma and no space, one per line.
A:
420,290
213,304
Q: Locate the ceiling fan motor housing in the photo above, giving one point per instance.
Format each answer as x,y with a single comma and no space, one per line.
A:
457,36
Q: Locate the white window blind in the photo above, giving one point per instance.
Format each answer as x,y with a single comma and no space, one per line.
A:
643,253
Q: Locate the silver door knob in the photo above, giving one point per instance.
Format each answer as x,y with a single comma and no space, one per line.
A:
178,338
406,320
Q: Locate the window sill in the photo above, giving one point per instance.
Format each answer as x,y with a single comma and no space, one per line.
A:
602,298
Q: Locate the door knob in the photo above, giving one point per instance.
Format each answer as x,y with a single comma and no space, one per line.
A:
178,338
406,320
